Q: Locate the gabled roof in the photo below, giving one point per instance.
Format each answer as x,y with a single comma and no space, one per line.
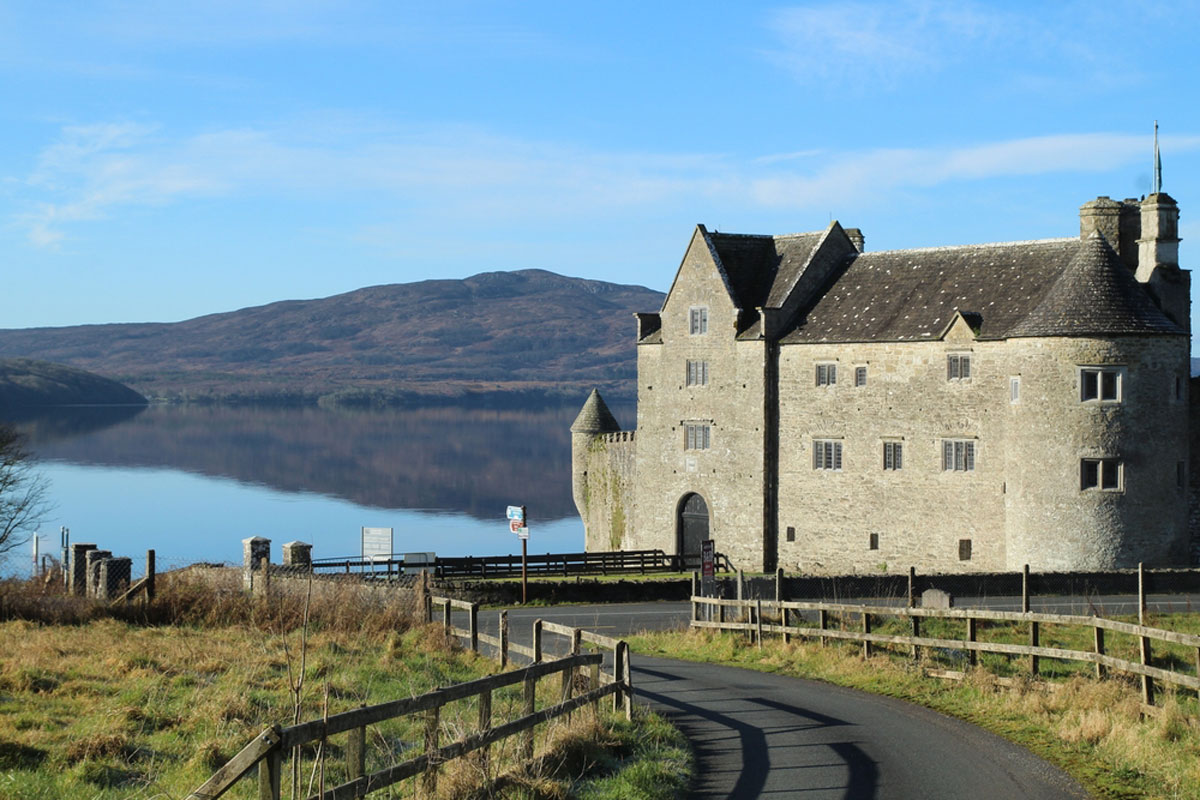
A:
1095,294
905,295
761,268
595,417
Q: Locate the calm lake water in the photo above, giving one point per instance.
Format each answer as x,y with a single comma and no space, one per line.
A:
192,482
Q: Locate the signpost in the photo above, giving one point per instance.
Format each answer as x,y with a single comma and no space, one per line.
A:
517,520
376,544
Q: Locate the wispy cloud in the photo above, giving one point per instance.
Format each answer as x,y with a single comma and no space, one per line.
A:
468,175
879,42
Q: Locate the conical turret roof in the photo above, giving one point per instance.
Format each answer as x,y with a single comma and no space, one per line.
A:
1095,295
595,417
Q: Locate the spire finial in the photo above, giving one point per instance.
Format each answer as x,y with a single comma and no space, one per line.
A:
1157,187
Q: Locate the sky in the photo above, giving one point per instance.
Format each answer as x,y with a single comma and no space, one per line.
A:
161,161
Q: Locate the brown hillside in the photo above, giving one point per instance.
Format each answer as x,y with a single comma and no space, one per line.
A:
503,337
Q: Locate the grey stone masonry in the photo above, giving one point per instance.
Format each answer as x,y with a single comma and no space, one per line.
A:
255,550
807,404
114,577
297,555
94,557
79,567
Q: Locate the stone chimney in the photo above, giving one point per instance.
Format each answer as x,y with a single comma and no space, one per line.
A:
1158,258
1120,223
855,235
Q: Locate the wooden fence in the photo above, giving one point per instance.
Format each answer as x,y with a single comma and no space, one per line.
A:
268,749
760,617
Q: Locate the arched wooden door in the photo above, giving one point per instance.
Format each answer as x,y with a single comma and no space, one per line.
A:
692,525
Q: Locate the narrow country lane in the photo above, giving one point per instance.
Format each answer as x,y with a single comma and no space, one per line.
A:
759,735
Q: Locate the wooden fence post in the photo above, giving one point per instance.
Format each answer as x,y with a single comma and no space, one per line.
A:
916,632
1025,589
150,572
1098,639
972,636
594,683
1033,642
628,685
741,595
537,641
866,627
695,593
758,621
433,728
530,707
269,769
823,623
912,587
474,625
1141,595
1147,681
447,620
504,638
356,752
485,724
618,672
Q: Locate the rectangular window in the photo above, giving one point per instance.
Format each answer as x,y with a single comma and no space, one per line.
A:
958,367
826,374
827,454
791,533
697,373
696,436
1014,389
698,321
1100,384
873,542
1104,474
964,549
860,376
958,455
893,455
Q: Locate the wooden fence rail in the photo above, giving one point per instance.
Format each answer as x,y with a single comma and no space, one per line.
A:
750,619
267,750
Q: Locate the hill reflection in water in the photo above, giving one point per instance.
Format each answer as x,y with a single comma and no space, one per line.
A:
448,459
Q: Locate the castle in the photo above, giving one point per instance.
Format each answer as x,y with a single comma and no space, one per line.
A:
811,405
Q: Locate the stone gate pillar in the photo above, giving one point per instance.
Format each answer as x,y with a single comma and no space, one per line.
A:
254,551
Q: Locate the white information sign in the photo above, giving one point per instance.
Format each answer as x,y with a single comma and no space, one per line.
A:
415,562
376,544
516,512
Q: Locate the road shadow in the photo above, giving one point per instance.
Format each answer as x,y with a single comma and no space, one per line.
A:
706,729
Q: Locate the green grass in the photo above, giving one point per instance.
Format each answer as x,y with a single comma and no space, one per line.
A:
150,706
1092,729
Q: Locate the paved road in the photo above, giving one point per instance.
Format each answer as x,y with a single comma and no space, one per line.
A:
758,735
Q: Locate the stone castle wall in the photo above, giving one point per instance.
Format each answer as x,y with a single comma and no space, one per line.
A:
1022,504
608,493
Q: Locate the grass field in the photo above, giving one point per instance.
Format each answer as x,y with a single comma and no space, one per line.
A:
99,707
1094,730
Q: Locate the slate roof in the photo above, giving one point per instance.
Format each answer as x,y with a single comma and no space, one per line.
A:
595,417
1095,294
759,268
1052,287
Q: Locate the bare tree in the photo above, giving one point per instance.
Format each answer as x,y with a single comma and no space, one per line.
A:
22,490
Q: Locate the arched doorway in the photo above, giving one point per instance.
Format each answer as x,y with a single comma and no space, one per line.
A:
691,525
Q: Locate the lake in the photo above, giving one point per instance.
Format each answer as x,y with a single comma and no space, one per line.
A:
192,481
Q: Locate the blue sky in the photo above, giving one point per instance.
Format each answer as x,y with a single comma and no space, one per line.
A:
159,161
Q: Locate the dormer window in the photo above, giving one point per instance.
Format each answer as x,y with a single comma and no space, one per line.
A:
698,320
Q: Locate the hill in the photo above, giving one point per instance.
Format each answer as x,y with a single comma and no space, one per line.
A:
500,338
26,385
